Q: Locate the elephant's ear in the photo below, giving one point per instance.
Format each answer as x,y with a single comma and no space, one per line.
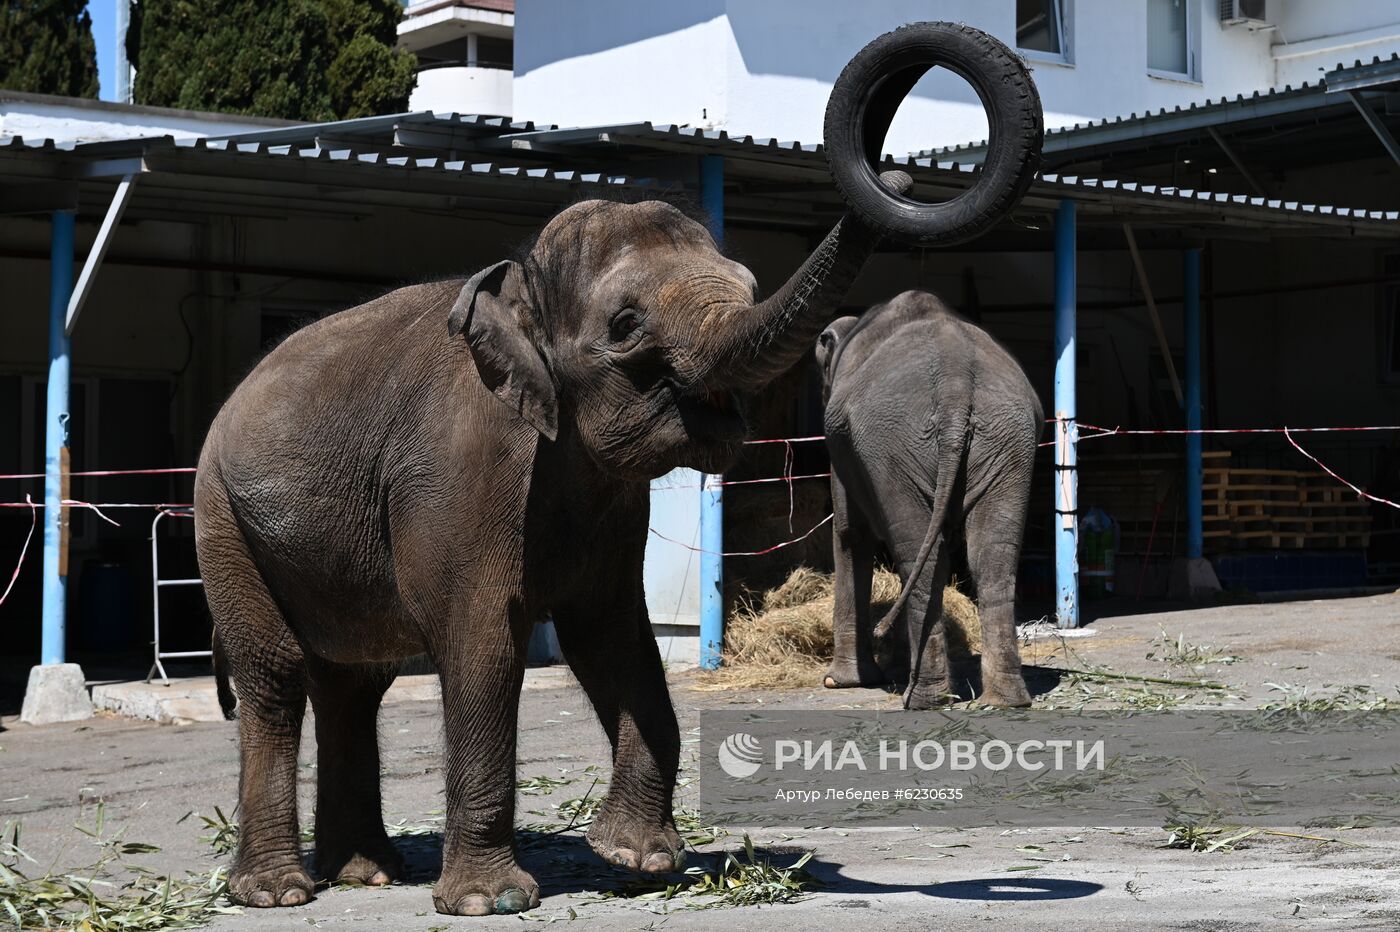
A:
492,309
830,338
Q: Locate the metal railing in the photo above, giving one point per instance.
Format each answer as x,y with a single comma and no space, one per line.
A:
157,584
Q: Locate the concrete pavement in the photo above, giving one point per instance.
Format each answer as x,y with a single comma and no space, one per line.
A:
1079,877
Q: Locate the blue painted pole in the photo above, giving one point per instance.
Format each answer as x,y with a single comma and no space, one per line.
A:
56,440
1066,432
711,493
1191,312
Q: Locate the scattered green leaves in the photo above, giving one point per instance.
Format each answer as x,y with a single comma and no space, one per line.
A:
542,785
753,881
1193,836
223,831
107,895
743,878
1357,698
1182,653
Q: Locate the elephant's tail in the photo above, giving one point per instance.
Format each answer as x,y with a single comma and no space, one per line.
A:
951,457
228,702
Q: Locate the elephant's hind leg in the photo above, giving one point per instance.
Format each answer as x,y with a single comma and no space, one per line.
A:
853,661
930,683
993,530
351,844
270,676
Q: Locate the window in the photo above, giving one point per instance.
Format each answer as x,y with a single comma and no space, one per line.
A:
492,52
1040,26
1169,51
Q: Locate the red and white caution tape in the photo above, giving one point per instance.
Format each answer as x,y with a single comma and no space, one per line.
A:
1364,494
1116,431
33,523
746,553
74,503
664,487
784,440
104,472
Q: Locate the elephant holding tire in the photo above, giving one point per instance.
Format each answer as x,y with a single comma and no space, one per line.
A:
932,429
439,468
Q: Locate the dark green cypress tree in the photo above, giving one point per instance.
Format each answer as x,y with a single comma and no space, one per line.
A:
46,47
309,60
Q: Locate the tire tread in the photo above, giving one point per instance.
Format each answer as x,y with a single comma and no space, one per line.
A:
1016,133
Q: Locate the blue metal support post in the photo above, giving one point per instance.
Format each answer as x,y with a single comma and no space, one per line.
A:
711,493
1191,312
1066,432
56,441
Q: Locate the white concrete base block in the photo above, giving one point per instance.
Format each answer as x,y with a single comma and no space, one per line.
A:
183,701
1192,579
57,692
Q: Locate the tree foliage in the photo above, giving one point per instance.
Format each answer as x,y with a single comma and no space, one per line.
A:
46,47
310,60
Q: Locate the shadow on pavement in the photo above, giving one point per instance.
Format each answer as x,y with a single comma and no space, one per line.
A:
999,888
967,678
564,863
992,888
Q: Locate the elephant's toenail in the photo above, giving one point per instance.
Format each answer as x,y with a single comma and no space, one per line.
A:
660,861
293,897
512,901
624,857
261,899
378,879
473,905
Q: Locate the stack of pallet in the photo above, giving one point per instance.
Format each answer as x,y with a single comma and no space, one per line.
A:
1141,492
1271,509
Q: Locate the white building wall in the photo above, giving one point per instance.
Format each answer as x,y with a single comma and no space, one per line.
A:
483,91
1314,37
766,66
611,61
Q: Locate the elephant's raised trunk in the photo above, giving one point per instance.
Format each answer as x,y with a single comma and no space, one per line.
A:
753,346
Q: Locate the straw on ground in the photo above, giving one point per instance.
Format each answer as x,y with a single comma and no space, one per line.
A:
782,638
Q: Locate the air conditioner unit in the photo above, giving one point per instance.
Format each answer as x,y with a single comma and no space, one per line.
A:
1242,12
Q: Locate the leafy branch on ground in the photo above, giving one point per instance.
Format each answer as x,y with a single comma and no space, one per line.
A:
742,878
1358,698
108,895
1086,683
1180,652
1208,839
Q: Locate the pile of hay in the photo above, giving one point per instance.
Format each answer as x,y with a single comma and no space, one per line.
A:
783,638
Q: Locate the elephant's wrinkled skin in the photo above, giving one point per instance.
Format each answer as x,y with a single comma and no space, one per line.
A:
932,429
365,496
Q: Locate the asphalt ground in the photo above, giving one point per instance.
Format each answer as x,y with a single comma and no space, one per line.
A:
148,778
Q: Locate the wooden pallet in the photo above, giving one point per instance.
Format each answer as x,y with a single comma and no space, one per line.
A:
1281,508
1242,508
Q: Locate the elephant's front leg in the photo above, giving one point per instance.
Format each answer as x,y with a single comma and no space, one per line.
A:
480,656
608,643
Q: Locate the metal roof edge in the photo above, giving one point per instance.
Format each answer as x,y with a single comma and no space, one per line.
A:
1343,77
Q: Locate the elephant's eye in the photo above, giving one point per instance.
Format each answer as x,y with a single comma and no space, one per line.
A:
624,324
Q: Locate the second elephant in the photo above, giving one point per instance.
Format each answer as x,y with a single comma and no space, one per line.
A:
932,428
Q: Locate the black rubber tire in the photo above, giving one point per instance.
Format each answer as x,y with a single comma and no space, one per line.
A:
867,94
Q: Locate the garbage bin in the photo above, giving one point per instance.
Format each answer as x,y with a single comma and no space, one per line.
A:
1098,545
